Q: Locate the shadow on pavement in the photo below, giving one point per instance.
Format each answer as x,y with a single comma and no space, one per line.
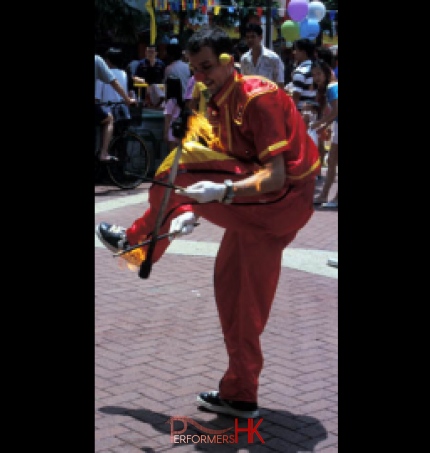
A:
281,430
107,188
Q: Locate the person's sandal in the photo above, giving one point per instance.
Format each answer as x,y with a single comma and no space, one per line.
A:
109,159
319,202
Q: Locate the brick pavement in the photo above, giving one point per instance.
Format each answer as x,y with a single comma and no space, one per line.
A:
159,343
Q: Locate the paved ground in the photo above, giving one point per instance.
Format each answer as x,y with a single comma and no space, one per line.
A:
158,344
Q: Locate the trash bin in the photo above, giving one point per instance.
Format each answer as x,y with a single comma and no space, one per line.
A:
152,131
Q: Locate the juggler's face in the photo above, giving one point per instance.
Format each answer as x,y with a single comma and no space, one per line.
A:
208,69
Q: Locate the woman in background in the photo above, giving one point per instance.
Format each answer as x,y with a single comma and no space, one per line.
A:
172,109
327,92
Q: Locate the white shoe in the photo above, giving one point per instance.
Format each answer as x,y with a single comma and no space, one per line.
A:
332,262
330,204
113,237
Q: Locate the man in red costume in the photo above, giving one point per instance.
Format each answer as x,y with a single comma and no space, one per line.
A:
255,180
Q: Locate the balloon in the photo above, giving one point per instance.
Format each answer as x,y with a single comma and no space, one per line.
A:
290,30
316,11
309,28
298,9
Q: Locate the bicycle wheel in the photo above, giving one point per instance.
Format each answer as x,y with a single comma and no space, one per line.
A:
134,160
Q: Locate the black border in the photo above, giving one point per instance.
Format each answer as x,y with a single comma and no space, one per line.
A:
49,185
377,133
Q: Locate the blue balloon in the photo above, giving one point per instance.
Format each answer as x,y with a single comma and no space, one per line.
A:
309,28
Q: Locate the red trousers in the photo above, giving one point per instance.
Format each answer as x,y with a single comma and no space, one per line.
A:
247,265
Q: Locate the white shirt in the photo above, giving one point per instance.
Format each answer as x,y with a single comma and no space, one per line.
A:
269,65
181,70
101,70
106,93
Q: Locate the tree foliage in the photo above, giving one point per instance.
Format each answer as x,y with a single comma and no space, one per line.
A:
115,19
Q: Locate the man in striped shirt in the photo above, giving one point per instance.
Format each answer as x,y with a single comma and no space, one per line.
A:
302,81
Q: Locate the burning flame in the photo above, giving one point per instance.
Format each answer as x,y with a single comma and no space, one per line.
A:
132,259
199,126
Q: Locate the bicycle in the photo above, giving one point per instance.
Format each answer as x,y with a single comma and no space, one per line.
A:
132,158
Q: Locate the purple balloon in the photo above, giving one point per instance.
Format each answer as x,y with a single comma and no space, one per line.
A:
298,9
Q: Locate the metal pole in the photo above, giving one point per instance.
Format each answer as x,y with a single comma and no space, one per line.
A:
268,24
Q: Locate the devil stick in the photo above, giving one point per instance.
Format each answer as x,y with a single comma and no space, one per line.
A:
179,128
154,181
141,244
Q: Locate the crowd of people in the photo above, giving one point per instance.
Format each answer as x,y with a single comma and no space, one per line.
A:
293,70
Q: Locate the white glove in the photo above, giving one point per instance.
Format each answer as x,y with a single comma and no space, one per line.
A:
183,224
204,191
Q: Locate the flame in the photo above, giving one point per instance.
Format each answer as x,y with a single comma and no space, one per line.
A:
199,126
132,259
124,265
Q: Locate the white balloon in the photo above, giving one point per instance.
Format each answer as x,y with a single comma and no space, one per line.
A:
316,11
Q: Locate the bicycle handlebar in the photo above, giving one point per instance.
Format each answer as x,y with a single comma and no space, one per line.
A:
111,103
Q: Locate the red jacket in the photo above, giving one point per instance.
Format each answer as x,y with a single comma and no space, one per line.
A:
255,120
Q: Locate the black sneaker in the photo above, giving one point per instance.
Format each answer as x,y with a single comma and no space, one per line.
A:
112,236
242,409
